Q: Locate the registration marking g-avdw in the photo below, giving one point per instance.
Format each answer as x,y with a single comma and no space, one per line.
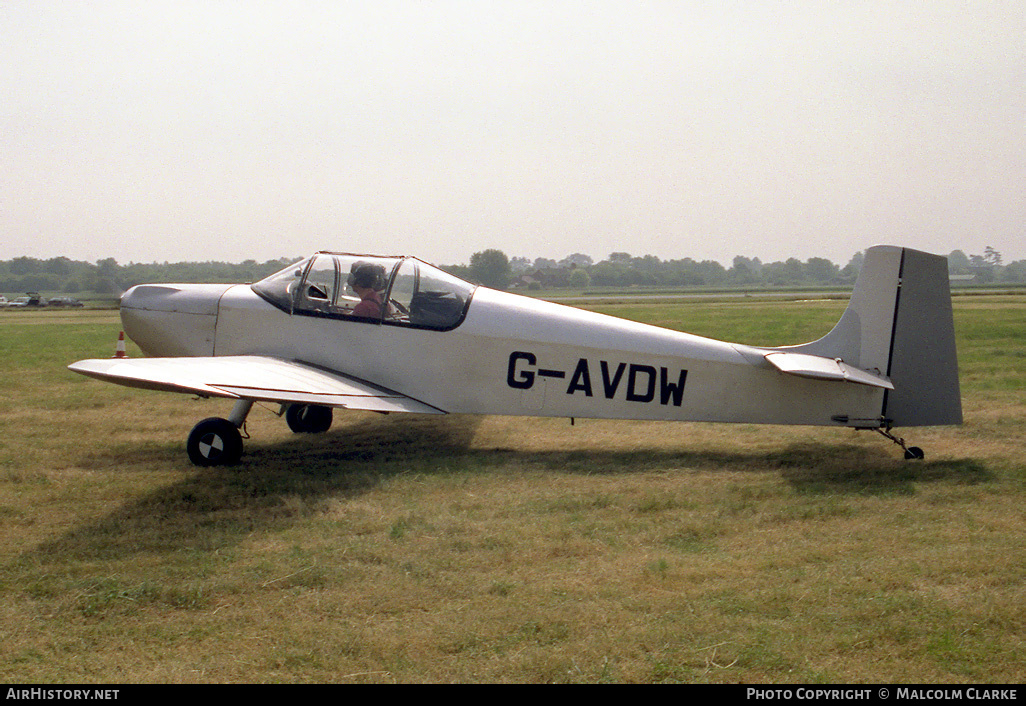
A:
638,382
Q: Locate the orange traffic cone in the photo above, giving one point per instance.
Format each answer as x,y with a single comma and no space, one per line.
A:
119,352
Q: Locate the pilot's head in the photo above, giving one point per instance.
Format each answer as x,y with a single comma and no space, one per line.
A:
366,275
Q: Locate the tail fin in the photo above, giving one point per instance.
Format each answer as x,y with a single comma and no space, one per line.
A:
899,323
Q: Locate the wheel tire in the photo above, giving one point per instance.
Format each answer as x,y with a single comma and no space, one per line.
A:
308,418
214,442
914,453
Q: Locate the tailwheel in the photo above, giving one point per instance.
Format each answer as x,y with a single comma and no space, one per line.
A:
308,418
912,453
215,442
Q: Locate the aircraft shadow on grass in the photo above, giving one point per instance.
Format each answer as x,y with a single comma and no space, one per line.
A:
278,484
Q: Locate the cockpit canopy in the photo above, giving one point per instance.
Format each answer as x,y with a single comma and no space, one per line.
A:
403,291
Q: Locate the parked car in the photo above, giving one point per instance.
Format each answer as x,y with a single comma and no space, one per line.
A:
64,301
31,299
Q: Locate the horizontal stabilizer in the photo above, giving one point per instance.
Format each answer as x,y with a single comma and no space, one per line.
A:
261,378
820,368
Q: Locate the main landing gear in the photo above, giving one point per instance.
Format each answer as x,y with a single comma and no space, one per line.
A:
218,442
308,418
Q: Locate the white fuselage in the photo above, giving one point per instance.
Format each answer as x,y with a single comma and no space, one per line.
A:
510,355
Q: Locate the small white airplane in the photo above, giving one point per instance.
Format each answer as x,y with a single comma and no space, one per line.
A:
395,334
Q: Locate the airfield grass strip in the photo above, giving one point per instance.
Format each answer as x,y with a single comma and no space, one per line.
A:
506,549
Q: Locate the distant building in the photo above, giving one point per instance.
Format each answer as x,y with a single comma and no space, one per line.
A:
547,277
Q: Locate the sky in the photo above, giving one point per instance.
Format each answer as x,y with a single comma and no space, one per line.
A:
190,131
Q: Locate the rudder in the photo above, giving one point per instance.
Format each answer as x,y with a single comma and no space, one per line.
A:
923,362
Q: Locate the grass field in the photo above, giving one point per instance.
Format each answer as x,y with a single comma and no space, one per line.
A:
507,549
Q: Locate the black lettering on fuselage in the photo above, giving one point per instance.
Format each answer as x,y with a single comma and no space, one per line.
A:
642,380
633,395
669,390
609,385
581,379
521,379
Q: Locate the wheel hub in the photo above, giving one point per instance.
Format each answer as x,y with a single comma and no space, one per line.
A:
211,446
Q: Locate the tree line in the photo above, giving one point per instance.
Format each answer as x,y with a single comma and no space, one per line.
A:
494,268
107,277
621,269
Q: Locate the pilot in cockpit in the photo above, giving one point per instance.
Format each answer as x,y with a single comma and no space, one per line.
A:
368,281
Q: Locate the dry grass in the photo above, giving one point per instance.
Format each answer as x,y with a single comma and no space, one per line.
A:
462,549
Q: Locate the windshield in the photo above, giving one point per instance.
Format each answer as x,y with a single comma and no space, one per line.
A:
279,288
390,290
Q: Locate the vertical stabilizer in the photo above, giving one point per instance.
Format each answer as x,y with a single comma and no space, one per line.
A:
863,335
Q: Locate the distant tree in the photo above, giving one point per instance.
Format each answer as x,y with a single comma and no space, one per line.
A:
461,271
794,270
105,285
107,267
576,259
580,278
1014,271
854,265
752,264
543,263
490,268
710,273
649,263
608,274
60,266
983,267
519,264
992,256
819,269
743,271
24,266
958,262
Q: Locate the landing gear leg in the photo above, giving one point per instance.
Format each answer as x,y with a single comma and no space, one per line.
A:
239,412
912,453
216,441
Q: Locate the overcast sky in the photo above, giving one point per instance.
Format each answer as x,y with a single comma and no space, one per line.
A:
216,130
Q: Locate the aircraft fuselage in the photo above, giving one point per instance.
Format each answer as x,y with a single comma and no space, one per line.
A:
510,355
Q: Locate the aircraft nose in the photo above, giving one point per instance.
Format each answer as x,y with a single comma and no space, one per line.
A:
172,319
200,299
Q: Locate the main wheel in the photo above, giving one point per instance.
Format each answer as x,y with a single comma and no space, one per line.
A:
214,442
308,418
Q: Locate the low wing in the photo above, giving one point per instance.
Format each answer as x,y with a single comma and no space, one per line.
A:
253,378
820,368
